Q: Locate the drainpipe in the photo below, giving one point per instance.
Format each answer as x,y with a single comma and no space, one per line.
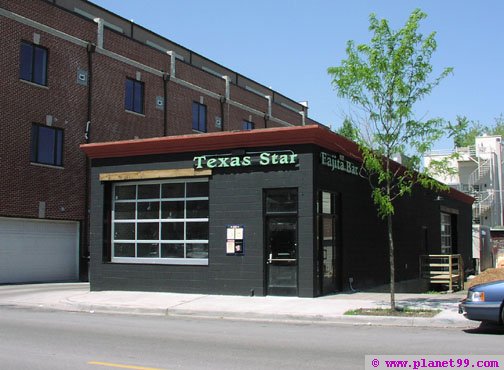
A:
303,117
268,114
173,57
228,87
166,78
224,99
99,36
91,48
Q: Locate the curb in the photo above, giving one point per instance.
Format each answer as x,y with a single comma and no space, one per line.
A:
356,320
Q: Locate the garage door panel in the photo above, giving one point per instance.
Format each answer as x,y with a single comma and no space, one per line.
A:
38,251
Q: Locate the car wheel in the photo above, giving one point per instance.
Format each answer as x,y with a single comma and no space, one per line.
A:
502,314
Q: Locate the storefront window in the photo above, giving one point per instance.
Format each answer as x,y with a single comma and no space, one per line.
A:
160,222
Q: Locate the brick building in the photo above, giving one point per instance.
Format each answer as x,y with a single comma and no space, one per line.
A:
280,211
76,73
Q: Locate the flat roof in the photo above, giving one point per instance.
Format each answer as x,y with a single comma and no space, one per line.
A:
268,137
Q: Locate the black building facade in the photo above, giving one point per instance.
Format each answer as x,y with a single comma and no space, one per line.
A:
264,212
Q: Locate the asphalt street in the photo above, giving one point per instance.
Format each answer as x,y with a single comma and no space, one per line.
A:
43,339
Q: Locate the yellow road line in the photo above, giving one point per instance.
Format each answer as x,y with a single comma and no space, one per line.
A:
109,364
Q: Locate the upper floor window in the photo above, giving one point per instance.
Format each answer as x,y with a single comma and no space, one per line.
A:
46,145
134,96
33,63
247,125
199,121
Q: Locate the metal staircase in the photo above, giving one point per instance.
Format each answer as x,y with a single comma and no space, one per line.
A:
482,205
484,198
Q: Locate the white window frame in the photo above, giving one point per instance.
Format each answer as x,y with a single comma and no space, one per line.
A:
157,260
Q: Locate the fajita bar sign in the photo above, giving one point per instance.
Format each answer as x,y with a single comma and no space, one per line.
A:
253,159
338,162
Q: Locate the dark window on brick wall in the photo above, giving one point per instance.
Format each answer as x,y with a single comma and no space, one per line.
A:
134,96
199,119
247,125
46,145
33,63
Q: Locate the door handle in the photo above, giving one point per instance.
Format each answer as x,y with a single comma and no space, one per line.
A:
282,260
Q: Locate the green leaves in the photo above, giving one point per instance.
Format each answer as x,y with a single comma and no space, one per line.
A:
386,78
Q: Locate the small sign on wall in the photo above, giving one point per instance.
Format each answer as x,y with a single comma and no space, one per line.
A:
234,240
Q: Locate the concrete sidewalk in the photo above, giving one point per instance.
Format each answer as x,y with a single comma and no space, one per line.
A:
329,309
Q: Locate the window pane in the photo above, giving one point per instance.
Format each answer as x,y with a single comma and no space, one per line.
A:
128,95
197,250
197,189
247,125
148,191
124,231
326,203
138,97
197,231
124,250
59,148
197,209
281,200
46,144
172,209
328,230
34,143
172,231
40,66
124,211
172,250
173,190
148,210
195,116
148,250
147,231
125,192
25,63
202,118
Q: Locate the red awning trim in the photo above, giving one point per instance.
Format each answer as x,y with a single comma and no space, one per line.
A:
270,137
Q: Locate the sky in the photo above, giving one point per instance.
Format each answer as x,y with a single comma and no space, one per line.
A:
289,44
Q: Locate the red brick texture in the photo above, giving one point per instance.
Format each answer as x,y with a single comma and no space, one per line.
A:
25,184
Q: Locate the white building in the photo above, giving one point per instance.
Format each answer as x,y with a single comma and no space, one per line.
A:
478,172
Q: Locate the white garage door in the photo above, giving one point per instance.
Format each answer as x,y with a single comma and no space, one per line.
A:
38,250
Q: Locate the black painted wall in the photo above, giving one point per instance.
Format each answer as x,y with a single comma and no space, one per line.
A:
416,229
236,197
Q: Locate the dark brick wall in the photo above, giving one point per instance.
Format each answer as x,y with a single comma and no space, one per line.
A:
364,234
235,198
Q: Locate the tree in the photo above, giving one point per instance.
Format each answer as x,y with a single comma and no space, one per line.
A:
384,79
348,130
468,131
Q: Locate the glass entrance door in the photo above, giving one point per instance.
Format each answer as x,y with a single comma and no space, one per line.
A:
281,254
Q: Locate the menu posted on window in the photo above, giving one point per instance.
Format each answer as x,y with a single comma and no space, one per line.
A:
234,240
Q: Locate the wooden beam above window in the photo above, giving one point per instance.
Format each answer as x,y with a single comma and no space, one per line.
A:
154,174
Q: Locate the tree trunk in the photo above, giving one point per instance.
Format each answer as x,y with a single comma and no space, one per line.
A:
391,262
